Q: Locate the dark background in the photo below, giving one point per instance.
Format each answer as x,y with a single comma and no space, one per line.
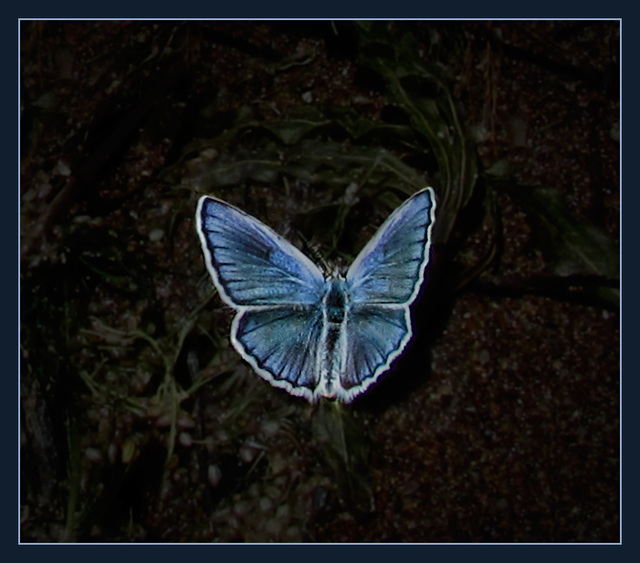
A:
140,423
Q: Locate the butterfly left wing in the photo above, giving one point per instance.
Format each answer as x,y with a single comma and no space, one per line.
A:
382,282
276,290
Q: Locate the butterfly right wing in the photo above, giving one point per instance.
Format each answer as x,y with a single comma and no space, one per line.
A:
383,281
250,264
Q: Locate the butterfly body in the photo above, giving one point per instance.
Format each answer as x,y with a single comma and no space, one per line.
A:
311,334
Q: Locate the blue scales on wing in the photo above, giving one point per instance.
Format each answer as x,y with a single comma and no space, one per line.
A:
390,268
250,264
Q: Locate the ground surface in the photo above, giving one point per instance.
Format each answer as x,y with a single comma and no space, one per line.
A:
140,422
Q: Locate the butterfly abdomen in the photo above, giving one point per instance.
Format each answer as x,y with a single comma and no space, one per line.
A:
335,306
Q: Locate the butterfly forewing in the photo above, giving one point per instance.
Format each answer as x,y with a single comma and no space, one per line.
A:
250,264
390,268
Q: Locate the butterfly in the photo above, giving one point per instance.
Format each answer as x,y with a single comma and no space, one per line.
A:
312,334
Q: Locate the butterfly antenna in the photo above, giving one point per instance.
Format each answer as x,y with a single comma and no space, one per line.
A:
313,252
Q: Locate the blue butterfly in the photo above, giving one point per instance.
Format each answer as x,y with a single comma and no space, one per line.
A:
315,335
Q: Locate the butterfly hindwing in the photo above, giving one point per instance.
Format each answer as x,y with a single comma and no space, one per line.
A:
282,345
376,335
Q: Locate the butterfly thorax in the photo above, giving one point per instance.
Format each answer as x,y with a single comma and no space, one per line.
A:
335,300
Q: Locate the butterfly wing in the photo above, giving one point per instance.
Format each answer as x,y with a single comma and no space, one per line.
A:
376,336
283,346
390,268
251,265
276,290
382,282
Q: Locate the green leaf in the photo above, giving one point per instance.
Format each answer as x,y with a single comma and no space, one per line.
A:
572,246
345,447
